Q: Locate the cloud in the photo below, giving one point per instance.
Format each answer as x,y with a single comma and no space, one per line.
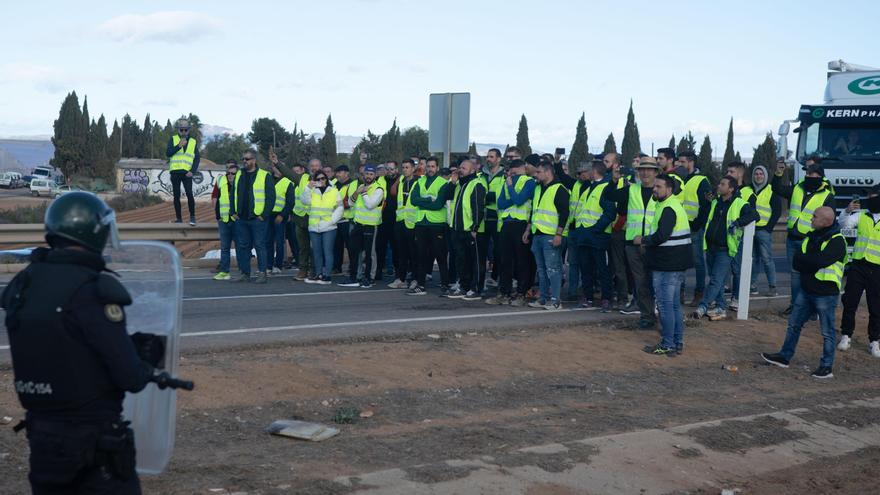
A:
172,26
42,77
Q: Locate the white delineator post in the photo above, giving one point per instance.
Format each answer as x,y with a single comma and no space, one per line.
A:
745,272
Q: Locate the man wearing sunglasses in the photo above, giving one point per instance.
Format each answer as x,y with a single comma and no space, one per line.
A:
183,162
254,191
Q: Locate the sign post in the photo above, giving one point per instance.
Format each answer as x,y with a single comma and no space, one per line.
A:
745,272
449,124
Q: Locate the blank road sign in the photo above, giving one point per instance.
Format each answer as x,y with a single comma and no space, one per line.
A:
449,122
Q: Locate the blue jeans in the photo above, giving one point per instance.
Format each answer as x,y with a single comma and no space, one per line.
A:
276,234
666,291
322,251
699,260
763,257
719,267
250,234
792,246
549,261
594,264
574,271
227,234
805,306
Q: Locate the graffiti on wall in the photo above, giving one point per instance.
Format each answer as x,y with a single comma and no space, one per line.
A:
158,182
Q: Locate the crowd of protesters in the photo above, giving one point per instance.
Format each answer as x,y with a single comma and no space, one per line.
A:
535,231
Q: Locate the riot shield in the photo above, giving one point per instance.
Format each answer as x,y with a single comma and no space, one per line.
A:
151,271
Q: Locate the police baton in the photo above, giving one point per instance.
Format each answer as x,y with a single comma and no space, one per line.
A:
163,380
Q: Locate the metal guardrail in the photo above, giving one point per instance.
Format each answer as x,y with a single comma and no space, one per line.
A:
34,233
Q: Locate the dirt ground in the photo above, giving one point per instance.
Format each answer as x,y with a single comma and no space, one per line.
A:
471,394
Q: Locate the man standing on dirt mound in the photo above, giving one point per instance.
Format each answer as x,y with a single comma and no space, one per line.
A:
183,162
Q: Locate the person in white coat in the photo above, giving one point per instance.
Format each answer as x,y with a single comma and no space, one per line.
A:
325,211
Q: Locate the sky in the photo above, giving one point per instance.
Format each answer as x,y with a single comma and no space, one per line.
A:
685,65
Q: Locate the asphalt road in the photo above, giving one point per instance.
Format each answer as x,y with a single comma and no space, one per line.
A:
223,314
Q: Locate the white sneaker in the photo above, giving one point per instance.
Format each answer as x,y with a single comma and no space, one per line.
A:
397,284
413,284
844,343
875,349
276,270
734,304
491,282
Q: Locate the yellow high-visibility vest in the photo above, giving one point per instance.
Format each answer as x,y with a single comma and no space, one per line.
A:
183,159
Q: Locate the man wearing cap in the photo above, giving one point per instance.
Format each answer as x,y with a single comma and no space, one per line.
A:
183,162
367,199
577,198
593,232
639,209
514,209
222,196
429,196
863,273
819,261
346,185
769,207
804,198
696,202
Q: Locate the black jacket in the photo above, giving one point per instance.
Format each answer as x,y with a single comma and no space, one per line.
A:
815,259
244,195
667,258
478,205
170,150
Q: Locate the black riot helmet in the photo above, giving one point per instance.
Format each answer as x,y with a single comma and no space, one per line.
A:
83,219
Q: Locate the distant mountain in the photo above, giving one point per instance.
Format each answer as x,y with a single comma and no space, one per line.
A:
24,155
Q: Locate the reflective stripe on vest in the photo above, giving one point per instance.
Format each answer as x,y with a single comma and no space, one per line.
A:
299,209
545,218
733,214
867,244
762,204
281,194
520,212
259,190
591,209
223,199
183,159
433,216
800,215
322,205
681,233
639,216
691,201
832,272
364,215
406,212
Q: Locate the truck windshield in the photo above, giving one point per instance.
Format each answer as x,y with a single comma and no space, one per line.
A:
845,141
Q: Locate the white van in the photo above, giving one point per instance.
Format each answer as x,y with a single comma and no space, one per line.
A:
44,187
10,180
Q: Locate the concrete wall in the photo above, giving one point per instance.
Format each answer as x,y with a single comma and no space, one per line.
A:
158,182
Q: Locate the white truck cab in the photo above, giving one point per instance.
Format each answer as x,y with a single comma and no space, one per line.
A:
844,131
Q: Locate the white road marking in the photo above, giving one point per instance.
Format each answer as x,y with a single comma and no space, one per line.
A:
370,322
353,290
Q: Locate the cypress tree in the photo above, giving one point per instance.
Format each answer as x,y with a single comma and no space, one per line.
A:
631,145
737,157
472,150
765,153
580,149
672,142
390,147
522,137
687,143
610,145
704,162
327,145
729,154
69,137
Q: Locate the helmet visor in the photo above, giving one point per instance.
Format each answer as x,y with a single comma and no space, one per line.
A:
108,219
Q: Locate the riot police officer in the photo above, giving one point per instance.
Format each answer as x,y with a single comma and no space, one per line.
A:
72,357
